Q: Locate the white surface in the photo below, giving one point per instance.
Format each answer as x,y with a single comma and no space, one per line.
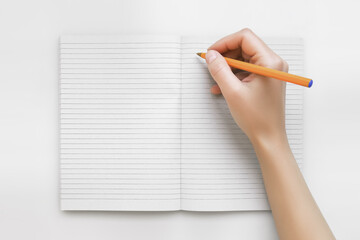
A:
29,205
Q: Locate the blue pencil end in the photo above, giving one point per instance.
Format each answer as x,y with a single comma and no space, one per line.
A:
310,83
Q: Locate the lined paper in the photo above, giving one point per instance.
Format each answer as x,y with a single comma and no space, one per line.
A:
219,168
140,131
120,123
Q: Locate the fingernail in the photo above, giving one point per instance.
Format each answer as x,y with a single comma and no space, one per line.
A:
210,56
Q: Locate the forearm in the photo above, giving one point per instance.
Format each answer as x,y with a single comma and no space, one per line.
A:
257,105
295,212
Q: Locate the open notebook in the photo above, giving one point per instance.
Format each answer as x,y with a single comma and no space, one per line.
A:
140,131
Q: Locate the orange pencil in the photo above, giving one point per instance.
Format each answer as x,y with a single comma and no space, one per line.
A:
267,72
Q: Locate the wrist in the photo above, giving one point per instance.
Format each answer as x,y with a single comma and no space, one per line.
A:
274,142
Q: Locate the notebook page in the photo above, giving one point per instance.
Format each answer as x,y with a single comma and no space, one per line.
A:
120,123
219,168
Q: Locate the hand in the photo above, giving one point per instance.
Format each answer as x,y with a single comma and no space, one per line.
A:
256,103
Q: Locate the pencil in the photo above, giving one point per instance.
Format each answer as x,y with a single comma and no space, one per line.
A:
267,72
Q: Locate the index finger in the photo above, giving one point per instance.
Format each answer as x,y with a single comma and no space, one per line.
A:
245,40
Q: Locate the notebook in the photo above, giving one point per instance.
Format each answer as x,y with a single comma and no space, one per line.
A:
140,130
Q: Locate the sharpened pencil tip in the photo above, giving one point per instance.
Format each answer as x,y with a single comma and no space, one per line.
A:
199,54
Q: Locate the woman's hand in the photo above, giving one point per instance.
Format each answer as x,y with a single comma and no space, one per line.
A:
256,103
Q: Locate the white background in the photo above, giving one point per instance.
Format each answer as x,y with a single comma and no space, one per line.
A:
29,33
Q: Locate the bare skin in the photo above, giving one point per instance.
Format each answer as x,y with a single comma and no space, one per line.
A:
257,104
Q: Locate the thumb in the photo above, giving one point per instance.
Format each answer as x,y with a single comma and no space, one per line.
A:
221,72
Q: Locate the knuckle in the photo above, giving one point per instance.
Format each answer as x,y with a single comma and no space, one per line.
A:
246,31
286,66
277,63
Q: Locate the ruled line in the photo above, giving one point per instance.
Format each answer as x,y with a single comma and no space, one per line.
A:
119,90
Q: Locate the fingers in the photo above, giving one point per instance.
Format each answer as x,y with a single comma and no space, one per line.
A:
215,90
221,72
252,49
245,40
